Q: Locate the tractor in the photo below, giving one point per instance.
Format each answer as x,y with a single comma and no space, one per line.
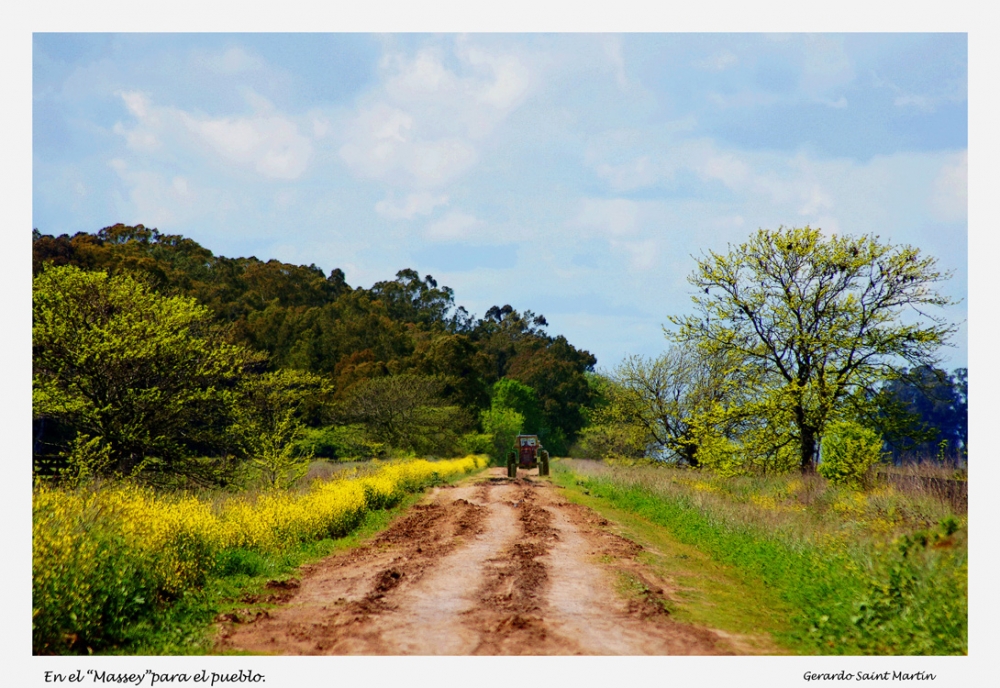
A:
527,447
527,453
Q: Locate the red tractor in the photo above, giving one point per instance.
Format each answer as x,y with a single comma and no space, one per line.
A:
527,447
527,453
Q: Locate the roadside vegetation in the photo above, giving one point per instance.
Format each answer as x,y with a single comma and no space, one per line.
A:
114,565
879,572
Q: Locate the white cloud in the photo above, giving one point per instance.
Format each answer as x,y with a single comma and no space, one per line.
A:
826,68
743,99
422,203
612,45
840,103
285,198
768,188
504,78
920,102
643,255
381,145
271,145
423,126
948,92
137,103
455,226
814,199
724,167
180,186
634,174
153,199
231,61
267,142
140,140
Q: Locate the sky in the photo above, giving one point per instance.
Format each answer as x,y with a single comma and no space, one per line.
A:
575,175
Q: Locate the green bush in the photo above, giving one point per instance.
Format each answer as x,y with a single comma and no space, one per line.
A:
340,442
476,443
849,452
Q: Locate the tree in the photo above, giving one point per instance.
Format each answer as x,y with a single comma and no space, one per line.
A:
813,319
406,412
517,396
556,370
143,374
921,408
613,428
503,425
410,299
268,411
666,395
517,347
849,452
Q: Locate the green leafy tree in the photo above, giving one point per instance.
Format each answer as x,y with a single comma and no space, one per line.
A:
517,347
812,319
138,376
503,424
268,411
666,395
511,394
410,299
406,412
613,429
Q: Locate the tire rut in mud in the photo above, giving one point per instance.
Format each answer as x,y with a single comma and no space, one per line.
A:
509,616
334,608
495,567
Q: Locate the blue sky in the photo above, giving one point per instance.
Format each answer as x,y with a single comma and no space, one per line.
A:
571,174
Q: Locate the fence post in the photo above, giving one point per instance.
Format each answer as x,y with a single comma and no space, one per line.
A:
543,462
512,464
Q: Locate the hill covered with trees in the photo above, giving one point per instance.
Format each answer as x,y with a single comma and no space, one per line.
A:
153,355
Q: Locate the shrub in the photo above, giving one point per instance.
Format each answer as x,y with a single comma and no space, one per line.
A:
340,442
849,452
476,443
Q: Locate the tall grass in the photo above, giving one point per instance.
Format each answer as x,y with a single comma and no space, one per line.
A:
875,572
105,560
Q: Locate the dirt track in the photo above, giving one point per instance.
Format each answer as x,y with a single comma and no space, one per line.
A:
490,567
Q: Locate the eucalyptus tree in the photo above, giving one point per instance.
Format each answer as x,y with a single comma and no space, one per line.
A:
812,319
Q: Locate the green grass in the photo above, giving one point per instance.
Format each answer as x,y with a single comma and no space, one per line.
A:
828,594
708,592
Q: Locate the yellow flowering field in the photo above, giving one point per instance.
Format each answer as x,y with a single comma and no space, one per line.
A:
104,558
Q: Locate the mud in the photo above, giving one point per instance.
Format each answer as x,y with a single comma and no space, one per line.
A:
491,567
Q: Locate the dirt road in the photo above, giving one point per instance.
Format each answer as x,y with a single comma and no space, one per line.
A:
492,566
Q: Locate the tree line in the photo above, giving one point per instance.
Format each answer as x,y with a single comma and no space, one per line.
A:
152,356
